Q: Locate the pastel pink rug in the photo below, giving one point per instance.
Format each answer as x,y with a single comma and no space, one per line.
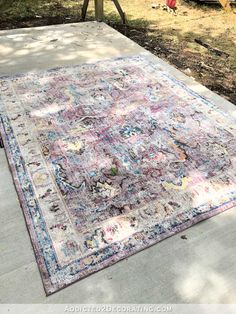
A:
110,158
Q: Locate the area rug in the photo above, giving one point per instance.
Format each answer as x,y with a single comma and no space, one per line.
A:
110,158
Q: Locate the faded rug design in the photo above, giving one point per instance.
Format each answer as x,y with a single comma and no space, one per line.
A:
110,158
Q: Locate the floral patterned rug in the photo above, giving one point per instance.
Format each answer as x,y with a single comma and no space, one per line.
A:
110,158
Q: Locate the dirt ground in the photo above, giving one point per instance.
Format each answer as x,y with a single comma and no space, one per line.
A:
200,40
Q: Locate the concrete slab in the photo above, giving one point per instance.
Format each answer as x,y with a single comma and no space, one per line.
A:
200,269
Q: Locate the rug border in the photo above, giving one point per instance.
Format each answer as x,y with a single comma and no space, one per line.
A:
39,259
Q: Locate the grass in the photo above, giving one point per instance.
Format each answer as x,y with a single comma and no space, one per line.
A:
26,9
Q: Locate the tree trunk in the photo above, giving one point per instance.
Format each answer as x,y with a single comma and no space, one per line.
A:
99,10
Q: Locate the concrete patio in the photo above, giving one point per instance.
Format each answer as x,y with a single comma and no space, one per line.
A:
198,269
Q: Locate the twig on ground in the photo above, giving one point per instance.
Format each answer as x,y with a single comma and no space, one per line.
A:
212,49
